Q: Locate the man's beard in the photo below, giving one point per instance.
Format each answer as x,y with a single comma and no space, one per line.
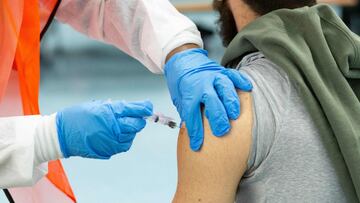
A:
226,21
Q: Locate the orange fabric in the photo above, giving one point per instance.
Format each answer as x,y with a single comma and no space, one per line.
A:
11,12
27,57
46,7
20,46
57,176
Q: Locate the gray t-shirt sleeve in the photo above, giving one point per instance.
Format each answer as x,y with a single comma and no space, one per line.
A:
270,99
290,160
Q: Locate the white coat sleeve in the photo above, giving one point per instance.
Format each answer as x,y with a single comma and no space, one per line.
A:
26,144
147,30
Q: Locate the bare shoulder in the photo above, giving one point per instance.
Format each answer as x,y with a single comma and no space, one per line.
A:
213,174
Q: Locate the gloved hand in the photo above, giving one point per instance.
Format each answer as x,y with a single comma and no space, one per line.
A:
100,129
193,79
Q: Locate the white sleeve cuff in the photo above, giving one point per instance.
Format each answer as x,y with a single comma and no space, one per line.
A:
190,36
46,140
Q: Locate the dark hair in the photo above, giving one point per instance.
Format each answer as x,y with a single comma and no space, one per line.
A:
263,7
226,19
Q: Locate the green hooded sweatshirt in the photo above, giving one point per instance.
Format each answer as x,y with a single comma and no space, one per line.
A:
322,59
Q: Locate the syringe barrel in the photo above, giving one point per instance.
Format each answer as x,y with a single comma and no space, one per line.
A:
159,118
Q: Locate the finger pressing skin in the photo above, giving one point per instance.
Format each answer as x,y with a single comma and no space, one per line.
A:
240,81
227,94
215,112
194,124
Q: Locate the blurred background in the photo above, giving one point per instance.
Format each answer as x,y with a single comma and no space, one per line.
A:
77,69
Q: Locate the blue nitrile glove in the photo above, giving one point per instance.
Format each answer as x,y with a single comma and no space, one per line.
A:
100,129
193,79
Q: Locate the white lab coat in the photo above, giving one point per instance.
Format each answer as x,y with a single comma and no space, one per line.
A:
145,29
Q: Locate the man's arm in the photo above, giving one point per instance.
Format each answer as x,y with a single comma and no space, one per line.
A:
213,174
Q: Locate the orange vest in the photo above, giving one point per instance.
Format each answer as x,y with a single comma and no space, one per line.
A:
22,23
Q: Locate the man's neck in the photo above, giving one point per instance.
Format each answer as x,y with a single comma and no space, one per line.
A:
242,13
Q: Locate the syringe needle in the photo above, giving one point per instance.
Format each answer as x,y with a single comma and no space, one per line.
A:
160,118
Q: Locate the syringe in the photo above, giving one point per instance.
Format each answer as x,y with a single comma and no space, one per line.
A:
160,118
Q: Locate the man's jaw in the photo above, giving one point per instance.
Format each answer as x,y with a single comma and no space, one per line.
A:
226,21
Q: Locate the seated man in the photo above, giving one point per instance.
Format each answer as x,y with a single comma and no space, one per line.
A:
274,152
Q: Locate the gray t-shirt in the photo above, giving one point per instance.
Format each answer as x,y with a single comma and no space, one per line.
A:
290,161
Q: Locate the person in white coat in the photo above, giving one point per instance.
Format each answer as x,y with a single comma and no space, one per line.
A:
165,41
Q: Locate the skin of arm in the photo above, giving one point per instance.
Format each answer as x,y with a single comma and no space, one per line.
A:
180,49
213,173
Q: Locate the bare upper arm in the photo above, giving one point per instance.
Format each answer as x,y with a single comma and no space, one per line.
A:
213,173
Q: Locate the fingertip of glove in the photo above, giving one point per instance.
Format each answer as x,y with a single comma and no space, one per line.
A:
248,87
148,107
234,110
220,125
142,124
222,132
149,112
148,104
196,142
145,123
195,146
247,84
243,83
234,114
